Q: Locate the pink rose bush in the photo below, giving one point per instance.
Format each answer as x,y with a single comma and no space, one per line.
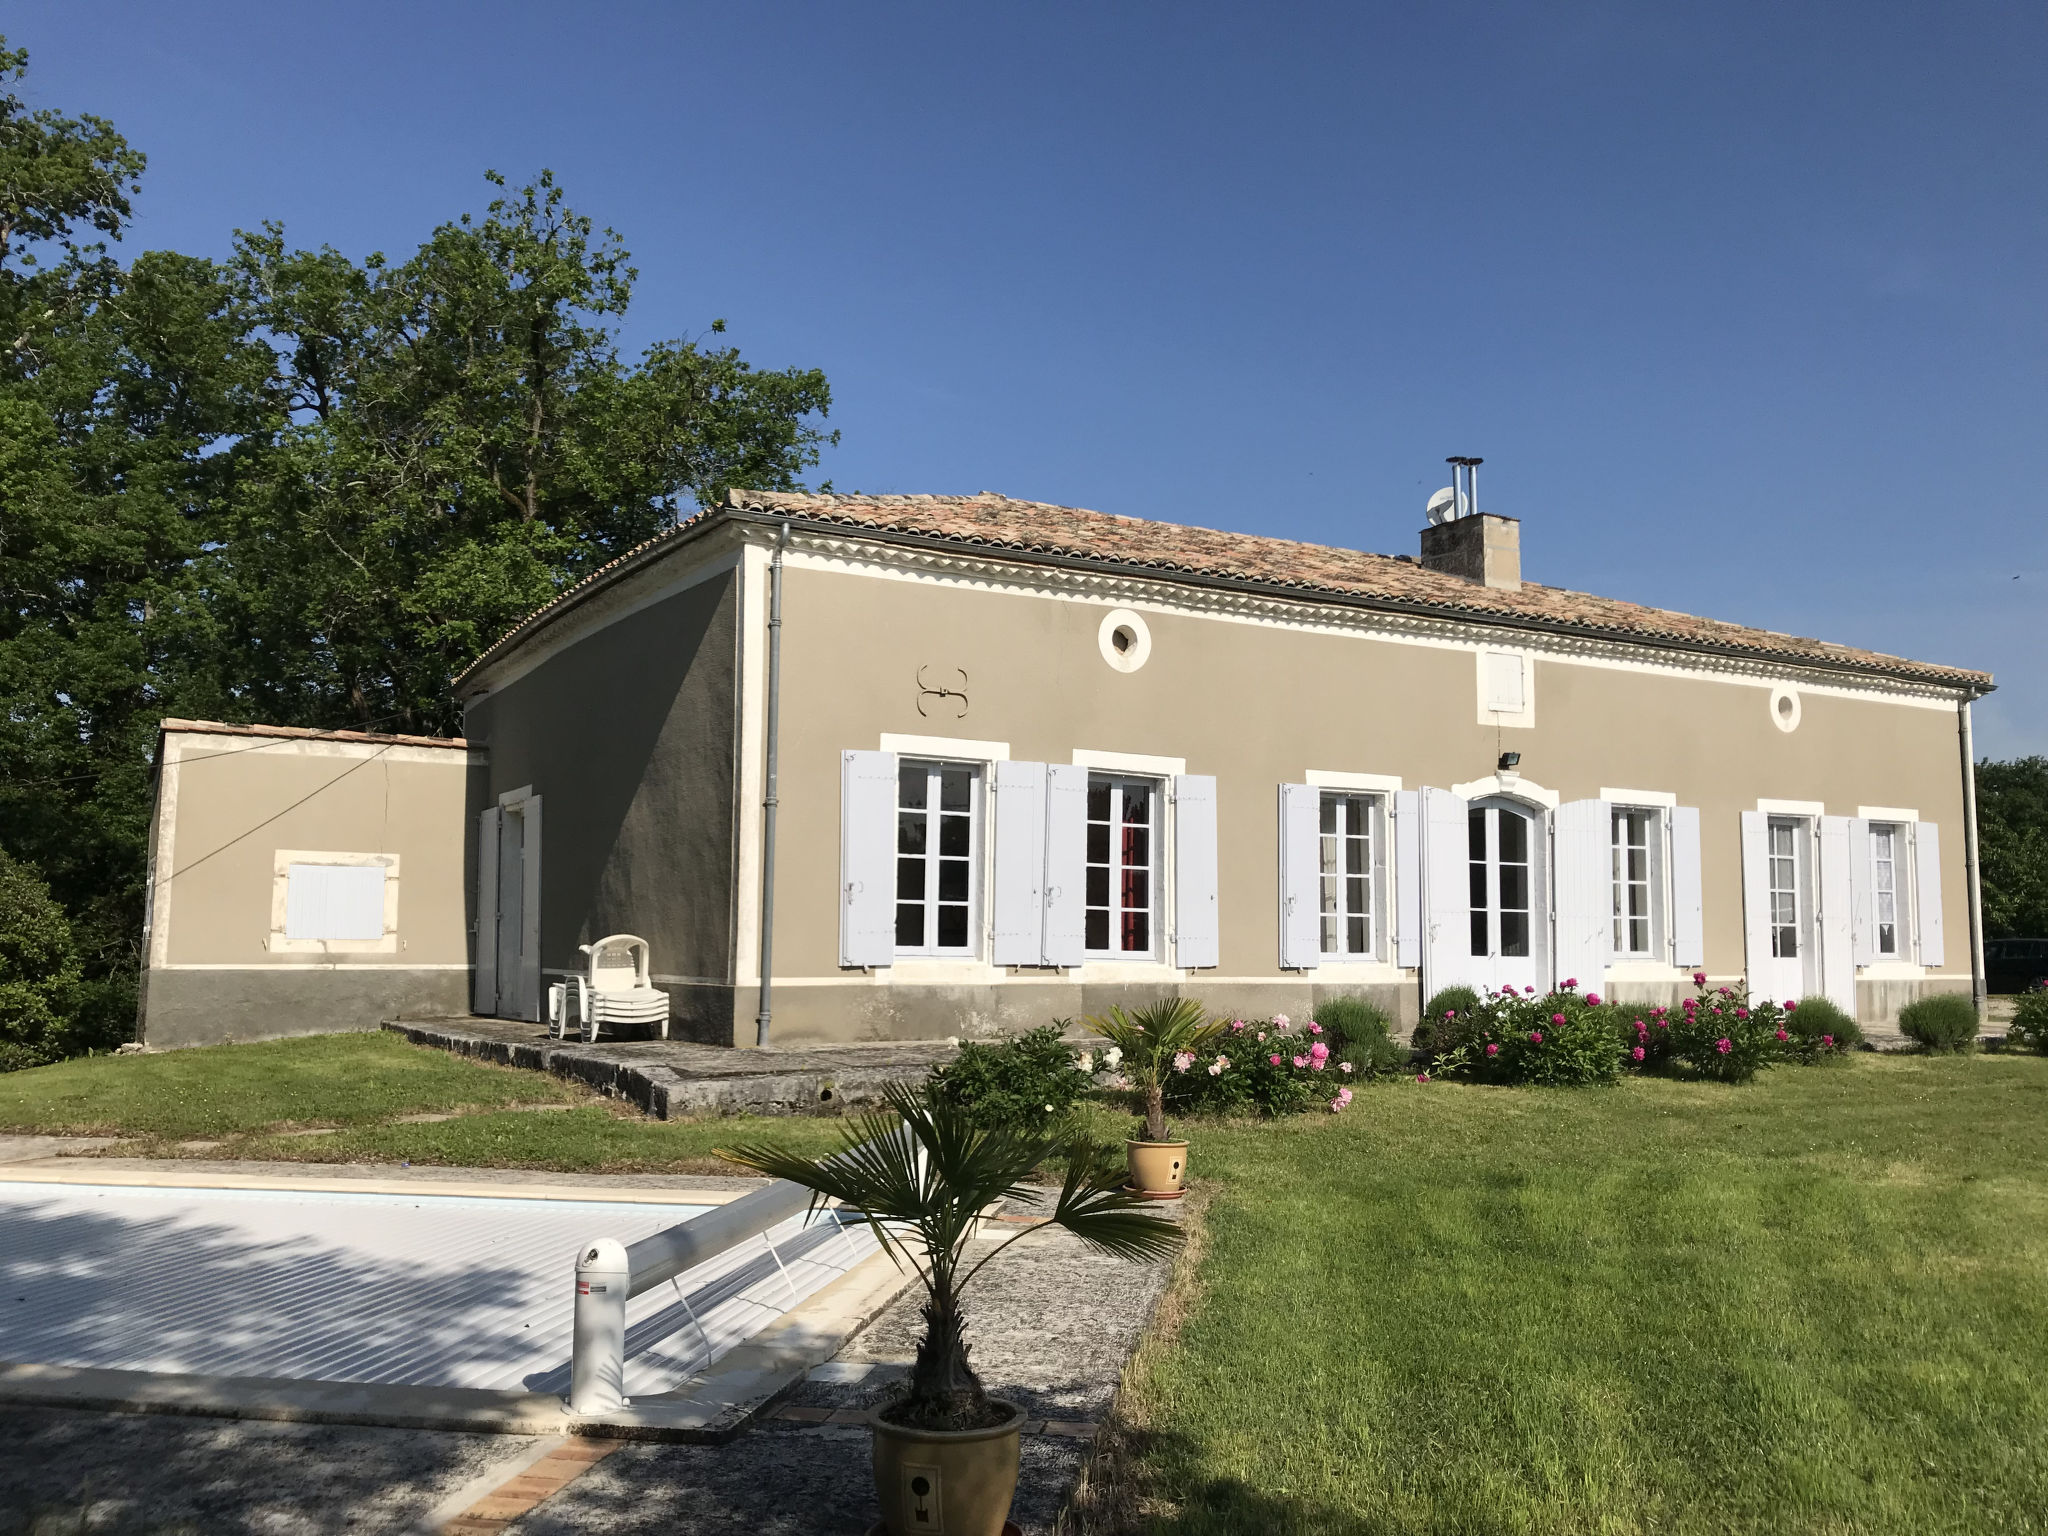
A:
1516,1036
1289,1072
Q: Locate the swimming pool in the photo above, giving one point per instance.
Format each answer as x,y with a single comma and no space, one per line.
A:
419,1289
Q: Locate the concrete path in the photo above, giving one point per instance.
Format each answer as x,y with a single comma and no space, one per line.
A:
669,1078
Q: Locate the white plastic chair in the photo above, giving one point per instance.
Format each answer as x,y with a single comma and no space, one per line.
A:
617,990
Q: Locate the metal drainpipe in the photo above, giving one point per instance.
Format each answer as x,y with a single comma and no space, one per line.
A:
1978,988
768,801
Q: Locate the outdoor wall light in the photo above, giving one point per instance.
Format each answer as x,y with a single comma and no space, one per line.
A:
1509,762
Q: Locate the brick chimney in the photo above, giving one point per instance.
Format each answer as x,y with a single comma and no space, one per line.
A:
1476,547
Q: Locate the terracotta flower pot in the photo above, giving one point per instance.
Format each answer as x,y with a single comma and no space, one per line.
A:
1159,1169
956,1482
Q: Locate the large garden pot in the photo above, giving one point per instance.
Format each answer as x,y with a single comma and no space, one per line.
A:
952,1482
1159,1169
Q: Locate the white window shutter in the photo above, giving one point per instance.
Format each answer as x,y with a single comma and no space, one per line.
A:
1585,891
1688,909
1408,878
1862,894
1018,884
1447,958
1066,864
1927,872
484,1000
1197,929
1836,916
529,912
1756,892
1301,942
867,858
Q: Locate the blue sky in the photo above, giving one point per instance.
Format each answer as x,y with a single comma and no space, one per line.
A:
1743,304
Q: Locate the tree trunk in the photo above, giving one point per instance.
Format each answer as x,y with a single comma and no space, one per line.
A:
944,1392
1155,1112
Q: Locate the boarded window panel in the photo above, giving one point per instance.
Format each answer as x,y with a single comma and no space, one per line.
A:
1927,867
335,902
1198,937
1505,692
1688,913
1299,808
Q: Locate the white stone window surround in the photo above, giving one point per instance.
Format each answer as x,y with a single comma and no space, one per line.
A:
1791,807
280,941
1512,785
1124,639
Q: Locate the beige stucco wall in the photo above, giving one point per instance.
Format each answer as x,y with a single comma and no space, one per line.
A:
626,732
226,805
1257,705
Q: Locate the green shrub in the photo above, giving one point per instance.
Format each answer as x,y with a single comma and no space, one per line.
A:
1561,1040
1720,1034
1644,1033
1022,1083
1266,1067
1429,1031
1361,1033
1820,1031
39,981
2029,1028
1946,1021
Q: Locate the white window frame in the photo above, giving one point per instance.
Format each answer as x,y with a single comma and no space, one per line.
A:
1799,856
1118,780
1902,887
977,802
1656,826
1373,806
281,941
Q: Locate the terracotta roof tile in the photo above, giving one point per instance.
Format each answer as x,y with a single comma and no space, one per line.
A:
1028,529
302,733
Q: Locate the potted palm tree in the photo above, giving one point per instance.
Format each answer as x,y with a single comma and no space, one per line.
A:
1151,1039
920,1174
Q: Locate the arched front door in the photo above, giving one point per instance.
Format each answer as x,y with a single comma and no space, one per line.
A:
1508,875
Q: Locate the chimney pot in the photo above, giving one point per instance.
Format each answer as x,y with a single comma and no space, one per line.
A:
1478,547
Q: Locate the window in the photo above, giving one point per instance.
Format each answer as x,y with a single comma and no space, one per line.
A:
1782,850
1123,818
938,813
1635,836
333,903
1348,868
1504,691
1501,884
1884,886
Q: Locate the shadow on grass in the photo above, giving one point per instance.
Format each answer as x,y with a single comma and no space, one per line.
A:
1136,1471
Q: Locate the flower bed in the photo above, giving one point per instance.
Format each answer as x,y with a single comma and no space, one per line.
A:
1266,1067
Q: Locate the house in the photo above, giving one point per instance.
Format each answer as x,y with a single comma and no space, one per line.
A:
1019,762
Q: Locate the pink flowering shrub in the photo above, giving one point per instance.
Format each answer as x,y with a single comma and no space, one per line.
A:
1722,1034
1514,1037
1293,1071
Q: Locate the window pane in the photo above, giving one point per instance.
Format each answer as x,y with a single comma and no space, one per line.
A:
1330,813
952,879
909,927
1478,931
952,927
956,835
956,788
1098,842
1638,935
1135,892
910,879
910,827
1514,838
1355,850
1475,833
1354,936
912,780
1137,846
1137,805
1331,924
1098,799
1514,933
1097,934
1514,888
1137,934
1098,885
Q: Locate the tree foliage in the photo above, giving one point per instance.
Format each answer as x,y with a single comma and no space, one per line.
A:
302,488
2012,839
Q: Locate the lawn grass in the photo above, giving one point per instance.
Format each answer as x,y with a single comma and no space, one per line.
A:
1817,1303
225,1090
589,1139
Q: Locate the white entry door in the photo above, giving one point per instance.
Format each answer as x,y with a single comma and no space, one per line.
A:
1507,893
1787,962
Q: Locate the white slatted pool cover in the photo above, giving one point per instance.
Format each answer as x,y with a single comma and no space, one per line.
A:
428,1290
